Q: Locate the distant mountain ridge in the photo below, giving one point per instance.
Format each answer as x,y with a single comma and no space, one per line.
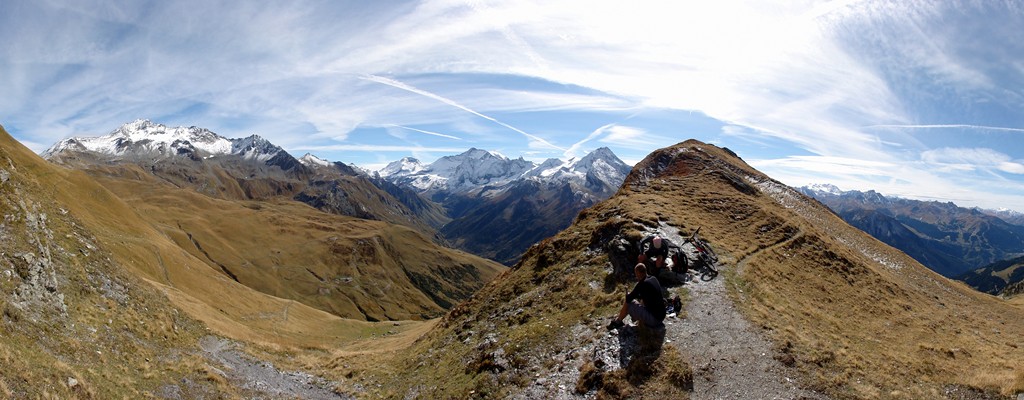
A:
144,138
247,168
479,201
476,169
500,206
949,239
1002,277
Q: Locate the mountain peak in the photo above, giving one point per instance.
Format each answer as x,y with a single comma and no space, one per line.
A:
404,167
824,188
144,138
313,161
254,147
478,154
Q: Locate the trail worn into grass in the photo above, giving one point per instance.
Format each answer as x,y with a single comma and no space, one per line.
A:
260,378
730,358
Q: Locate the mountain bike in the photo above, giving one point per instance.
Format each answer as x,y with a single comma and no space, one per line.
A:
706,257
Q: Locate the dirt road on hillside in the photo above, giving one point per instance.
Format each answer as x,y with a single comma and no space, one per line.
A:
730,358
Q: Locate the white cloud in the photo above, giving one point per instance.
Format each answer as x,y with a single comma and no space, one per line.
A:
535,141
828,165
1012,167
967,159
821,76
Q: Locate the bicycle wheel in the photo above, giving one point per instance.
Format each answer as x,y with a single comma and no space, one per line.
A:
709,251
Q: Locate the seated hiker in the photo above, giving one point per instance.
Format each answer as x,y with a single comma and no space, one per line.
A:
644,304
656,249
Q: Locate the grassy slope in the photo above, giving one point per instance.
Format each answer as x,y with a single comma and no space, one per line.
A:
124,279
349,267
117,336
860,319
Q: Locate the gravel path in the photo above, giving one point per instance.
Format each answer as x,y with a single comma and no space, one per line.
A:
261,377
730,358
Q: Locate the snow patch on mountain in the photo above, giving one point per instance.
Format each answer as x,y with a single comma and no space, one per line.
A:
476,168
825,188
145,138
310,160
253,148
404,167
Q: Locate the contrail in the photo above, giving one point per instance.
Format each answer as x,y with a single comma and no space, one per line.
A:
396,84
572,149
380,148
427,132
952,126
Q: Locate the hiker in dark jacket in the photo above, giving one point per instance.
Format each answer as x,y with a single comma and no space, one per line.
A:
644,304
656,249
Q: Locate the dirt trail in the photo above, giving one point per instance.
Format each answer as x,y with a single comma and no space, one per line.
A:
730,358
260,378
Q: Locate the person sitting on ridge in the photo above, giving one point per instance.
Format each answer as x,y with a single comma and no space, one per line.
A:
656,249
650,310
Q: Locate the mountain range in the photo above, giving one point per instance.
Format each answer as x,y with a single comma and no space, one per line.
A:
500,206
950,240
849,316
198,188
476,201
132,278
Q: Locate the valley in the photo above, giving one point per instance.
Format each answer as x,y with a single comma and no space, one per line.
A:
209,281
979,247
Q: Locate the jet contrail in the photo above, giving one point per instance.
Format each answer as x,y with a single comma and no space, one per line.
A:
426,132
396,84
571,153
952,126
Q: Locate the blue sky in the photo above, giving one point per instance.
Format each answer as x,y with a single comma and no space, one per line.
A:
919,99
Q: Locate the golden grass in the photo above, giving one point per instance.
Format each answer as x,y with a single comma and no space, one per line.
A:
859,319
125,348
855,318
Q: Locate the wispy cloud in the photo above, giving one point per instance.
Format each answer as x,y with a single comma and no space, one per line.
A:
535,141
948,126
829,165
970,159
837,80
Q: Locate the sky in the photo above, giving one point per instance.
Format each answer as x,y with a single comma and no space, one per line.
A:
916,99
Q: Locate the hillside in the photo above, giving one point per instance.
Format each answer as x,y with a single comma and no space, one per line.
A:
104,298
248,168
997,277
349,267
848,316
233,211
77,322
950,240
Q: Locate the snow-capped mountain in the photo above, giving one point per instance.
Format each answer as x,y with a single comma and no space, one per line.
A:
600,171
475,169
312,161
404,167
500,206
824,188
459,173
143,138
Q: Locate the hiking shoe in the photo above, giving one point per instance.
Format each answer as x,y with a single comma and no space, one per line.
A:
615,324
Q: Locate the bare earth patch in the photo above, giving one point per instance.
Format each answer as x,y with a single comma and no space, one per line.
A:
261,377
